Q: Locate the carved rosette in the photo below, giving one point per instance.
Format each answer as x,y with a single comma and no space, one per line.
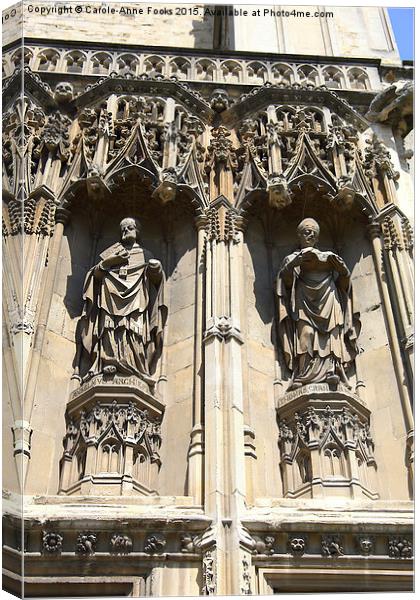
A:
112,440
325,442
52,543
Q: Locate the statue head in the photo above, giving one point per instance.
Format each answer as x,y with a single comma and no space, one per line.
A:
130,230
63,92
219,100
308,233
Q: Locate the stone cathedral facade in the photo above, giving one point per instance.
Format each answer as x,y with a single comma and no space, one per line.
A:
207,305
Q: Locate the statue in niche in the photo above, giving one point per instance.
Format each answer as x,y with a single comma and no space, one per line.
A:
317,326
121,328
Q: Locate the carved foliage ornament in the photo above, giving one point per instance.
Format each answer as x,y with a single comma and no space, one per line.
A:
378,159
121,544
220,149
399,547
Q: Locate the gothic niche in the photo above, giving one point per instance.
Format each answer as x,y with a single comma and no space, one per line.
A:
114,417
325,441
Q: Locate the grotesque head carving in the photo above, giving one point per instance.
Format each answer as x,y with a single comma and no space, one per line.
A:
219,100
366,545
297,545
63,92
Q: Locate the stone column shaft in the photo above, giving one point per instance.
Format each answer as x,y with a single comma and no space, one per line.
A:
196,449
392,332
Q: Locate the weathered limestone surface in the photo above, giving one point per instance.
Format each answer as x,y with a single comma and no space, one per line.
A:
217,472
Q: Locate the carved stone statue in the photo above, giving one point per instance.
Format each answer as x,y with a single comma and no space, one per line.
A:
124,312
318,329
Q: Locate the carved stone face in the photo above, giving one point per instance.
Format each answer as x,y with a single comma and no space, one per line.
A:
366,545
308,233
269,543
63,92
219,100
129,231
297,545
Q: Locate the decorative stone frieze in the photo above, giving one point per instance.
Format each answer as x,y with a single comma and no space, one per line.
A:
203,68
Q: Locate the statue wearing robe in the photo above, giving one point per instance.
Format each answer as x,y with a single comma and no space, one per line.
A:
317,326
124,313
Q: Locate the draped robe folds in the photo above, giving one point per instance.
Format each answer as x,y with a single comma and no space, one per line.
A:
317,326
124,315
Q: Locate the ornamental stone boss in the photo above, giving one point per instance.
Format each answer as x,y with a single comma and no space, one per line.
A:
318,329
121,328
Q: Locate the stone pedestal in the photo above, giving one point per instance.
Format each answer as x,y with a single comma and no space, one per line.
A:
325,443
113,438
